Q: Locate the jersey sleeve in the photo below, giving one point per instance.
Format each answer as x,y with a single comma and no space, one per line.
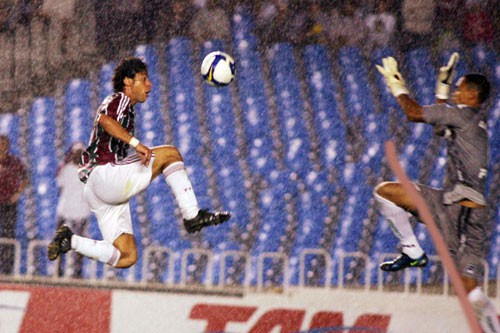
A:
115,106
444,114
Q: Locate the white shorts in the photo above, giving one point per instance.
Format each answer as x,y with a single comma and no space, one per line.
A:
109,189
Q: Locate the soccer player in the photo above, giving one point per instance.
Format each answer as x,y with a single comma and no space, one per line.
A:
460,208
112,176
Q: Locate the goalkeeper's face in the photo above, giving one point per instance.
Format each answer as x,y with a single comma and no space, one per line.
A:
463,94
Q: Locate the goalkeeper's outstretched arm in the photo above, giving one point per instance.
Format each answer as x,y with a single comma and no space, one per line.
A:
413,110
397,86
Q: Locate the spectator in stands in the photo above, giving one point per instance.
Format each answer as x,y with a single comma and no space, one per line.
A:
72,209
317,22
280,21
381,26
172,19
112,177
211,22
447,36
460,208
119,26
347,26
6,8
14,180
417,22
478,23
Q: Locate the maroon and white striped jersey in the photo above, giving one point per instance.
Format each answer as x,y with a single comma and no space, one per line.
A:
102,147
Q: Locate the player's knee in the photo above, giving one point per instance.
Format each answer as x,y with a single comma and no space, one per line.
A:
167,154
388,190
127,259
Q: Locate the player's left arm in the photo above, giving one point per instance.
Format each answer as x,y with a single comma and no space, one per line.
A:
414,111
396,84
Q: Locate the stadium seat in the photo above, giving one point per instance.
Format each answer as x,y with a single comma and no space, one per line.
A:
328,124
286,88
41,143
78,116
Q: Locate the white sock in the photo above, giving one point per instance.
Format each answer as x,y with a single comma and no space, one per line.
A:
485,311
400,224
98,250
178,180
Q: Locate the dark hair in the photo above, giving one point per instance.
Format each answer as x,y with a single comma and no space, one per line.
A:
479,83
128,67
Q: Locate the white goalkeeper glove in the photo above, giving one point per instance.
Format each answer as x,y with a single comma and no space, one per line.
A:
445,77
393,78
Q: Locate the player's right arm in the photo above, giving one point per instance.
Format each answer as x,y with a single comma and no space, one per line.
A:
445,79
113,128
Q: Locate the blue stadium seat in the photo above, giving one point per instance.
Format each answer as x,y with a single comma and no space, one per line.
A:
484,59
150,123
312,213
354,80
224,154
290,108
255,110
330,128
105,84
41,143
79,115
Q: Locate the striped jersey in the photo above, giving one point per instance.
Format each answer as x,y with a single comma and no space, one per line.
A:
102,147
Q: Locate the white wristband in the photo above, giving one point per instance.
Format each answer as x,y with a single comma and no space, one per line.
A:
443,90
134,142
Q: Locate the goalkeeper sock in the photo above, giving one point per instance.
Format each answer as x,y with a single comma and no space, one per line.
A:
485,311
102,251
400,224
177,178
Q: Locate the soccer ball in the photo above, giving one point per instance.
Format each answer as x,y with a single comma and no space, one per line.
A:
218,69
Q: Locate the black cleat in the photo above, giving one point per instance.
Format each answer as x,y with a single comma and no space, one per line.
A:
61,242
204,219
404,261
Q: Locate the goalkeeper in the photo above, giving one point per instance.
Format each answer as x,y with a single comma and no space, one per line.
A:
460,208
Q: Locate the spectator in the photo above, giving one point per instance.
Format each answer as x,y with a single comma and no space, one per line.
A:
72,209
478,24
417,23
211,22
6,9
347,26
14,180
381,26
447,38
279,21
119,26
318,21
169,19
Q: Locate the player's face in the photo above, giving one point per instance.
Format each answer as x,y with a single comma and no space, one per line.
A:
463,94
140,88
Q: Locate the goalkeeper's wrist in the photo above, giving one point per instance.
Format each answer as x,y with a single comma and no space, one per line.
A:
134,142
399,90
442,90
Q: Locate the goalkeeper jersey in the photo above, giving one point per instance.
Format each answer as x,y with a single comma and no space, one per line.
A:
468,152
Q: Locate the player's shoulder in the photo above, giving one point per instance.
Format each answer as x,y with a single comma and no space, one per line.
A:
116,101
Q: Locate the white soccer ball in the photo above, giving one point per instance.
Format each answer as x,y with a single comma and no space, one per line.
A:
218,69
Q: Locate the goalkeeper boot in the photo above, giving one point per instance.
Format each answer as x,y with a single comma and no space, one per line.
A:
61,242
404,261
204,219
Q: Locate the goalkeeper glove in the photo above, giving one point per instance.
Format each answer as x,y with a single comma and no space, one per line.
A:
445,77
393,78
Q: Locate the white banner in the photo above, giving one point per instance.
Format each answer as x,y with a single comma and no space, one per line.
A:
297,311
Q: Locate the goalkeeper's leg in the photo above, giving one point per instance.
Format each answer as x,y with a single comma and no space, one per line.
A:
391,198
485,311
